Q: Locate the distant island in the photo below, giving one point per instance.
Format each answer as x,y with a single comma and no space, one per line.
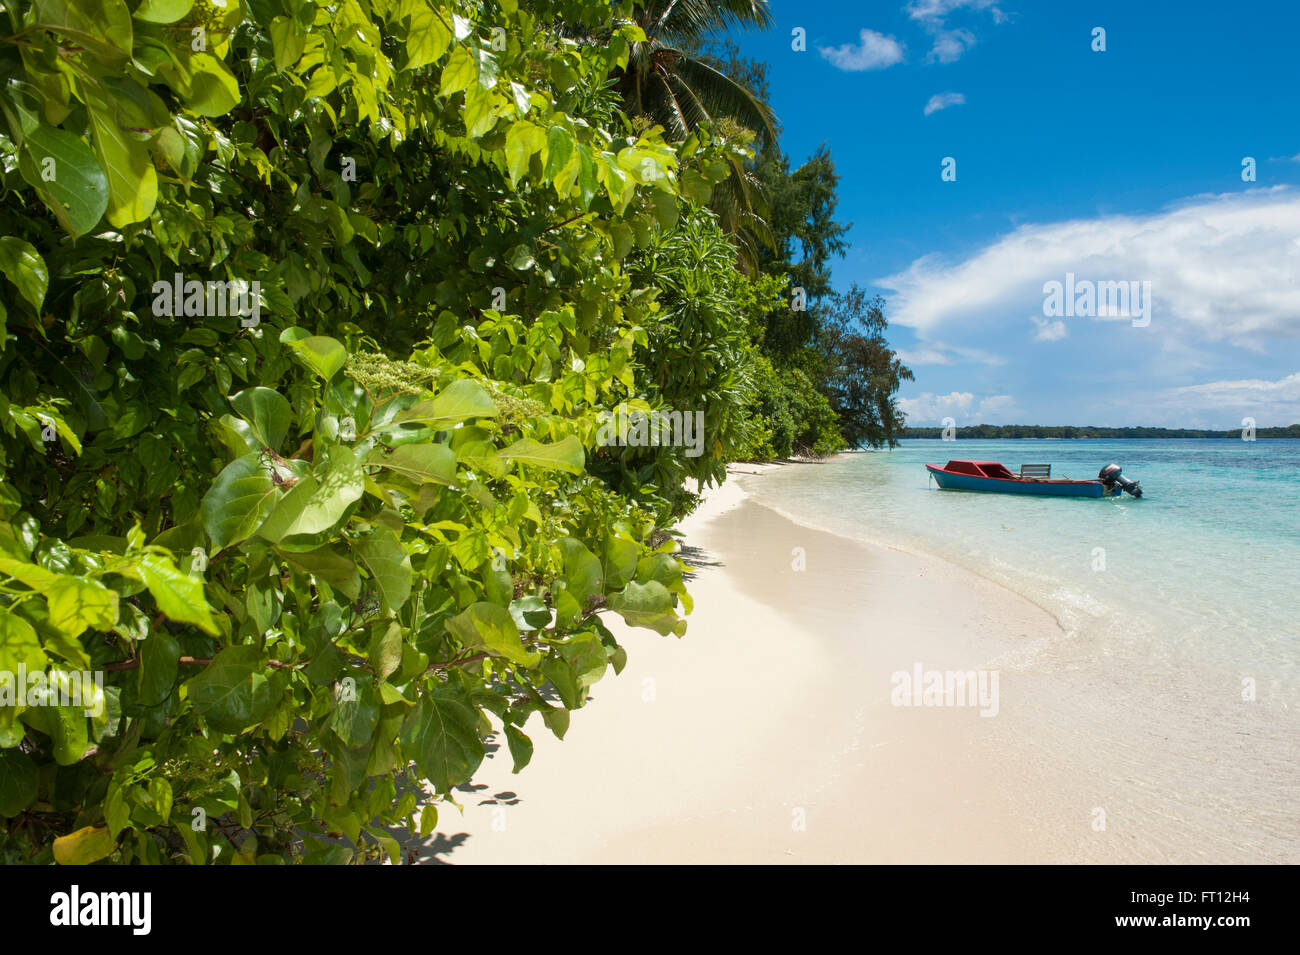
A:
990,431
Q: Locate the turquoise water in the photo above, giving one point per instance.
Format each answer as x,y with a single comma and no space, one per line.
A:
1201,572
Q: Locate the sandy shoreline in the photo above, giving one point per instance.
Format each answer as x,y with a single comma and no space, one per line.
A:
767,734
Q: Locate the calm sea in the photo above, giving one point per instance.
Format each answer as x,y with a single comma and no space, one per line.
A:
1201,572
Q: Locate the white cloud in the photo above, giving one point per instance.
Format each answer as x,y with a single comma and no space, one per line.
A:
1221,268
1048,331
961,406
949,44
929,10
1223,404
875,52
938,353
942,101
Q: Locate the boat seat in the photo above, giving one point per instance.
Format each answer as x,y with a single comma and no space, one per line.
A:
1036,471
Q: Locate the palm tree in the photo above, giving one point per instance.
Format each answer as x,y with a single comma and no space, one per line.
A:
667,82
679,90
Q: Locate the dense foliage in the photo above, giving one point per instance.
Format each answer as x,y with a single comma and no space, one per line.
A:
322,544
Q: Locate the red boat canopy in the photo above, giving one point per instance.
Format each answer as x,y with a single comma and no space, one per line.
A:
993,469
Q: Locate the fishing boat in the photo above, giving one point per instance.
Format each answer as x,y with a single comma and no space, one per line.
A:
1032,479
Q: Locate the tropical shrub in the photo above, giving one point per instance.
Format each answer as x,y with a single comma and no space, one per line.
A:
308,312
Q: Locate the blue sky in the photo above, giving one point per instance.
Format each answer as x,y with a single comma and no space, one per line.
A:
1116,166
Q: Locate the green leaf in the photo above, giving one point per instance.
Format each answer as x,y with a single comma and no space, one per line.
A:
319,354
19,644
63,169
162,11
65,725
385,652
159,665
77,603
88,844
422,463
232,693
328,565
314,506
559,147
132,180
564,455
461,400
584,576
178,595
441,735
522,140
288,44
102,25
460,71
19,782
25,268
214,91
267,412
488,625
648,605
521,747
239,500
354,719
389,566
427,38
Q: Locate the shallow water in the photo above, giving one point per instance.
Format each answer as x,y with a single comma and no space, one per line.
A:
1203,567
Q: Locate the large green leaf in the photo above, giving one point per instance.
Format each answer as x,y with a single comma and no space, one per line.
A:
322,355
389,567
132,180
490,625
422,463
162,11
233,692
214,90
19,782
177,594
314,506
648,605
267,412
23,266
239,500
159,665
563,455
63,169
584,576
329,565
459,401
65,726
84,846
77,603
356,714
441,735
427,37
18,644
104,26
460,71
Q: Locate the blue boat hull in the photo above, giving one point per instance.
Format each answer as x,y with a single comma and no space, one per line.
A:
970,482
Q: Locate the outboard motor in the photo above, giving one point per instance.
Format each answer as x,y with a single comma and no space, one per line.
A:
1111,475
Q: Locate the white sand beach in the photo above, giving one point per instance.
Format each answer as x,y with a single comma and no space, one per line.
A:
767,733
